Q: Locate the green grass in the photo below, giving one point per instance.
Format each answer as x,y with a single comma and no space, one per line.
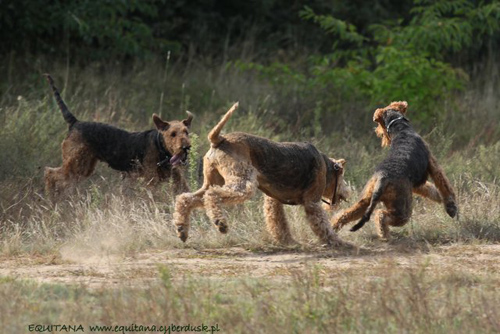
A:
314,300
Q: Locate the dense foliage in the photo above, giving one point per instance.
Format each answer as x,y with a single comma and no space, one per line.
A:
117,28
377,51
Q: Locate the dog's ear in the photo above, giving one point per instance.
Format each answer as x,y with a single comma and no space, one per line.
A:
187,121
340,162
378,116
160,124
380,130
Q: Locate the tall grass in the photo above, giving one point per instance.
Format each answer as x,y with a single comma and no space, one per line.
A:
32,130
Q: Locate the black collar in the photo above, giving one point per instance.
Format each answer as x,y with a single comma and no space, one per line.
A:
165,155
336,170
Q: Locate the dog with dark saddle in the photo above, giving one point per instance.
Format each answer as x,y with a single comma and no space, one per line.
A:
401,174
157,155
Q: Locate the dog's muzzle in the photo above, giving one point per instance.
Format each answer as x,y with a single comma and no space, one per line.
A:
180,158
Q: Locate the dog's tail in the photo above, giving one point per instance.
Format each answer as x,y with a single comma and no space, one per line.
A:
214,136
378,190
68,116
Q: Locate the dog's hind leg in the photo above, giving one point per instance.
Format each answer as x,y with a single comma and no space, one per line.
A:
397,212
386,218
240,184
78,163
184,205
356,211
54,181
444,187
428,190
382,218
276,221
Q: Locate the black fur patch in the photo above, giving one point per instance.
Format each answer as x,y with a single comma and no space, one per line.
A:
302,161
122,150
408,155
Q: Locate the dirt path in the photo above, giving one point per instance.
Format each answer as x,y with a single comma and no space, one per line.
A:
96,271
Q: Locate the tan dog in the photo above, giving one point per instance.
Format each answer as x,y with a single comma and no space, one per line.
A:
288,173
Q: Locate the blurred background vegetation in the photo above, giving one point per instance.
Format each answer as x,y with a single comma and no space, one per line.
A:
302,70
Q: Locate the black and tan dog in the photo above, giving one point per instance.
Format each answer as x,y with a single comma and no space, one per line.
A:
403,172
155,154
288,173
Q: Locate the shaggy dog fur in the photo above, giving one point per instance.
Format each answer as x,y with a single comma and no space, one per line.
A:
154,154
403,172
288,173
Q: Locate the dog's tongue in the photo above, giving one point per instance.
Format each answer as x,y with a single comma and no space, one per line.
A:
175,159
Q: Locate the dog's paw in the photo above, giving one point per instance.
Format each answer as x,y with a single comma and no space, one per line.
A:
451,209
338,222
336,226
221,225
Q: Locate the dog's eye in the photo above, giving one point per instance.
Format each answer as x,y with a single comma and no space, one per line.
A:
186,133
173,134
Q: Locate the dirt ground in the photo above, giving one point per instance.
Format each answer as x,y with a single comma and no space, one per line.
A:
76,267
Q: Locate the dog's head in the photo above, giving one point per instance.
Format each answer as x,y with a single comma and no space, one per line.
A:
337,189
383,116
175,137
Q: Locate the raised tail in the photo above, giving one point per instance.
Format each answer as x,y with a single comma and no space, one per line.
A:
67,115
214,136
378,190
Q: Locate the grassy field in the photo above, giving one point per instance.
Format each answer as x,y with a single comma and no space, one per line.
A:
108,254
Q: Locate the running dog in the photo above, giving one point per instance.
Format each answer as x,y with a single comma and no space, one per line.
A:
287,173
156,154
405,171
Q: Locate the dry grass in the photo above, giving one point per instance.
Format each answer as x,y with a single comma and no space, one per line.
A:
120,218
108,254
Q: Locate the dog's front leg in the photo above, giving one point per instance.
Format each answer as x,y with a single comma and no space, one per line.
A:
428,190
318,220
276,222
184,204
444,187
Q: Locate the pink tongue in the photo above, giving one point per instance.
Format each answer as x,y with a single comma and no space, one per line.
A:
175,159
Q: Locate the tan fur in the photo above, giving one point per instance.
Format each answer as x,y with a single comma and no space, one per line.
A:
380,130
233,170
78,163
276,221
214,135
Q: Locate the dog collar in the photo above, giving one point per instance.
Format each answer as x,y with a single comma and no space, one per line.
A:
395,120
336,169
163,151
